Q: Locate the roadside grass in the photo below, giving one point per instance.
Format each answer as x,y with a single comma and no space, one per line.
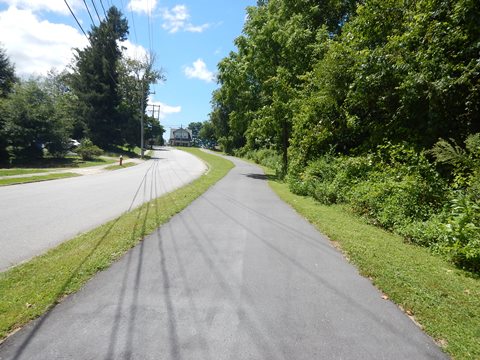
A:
32,288
48,164
102,160
439,296
117,167
30,179
128,153
19,171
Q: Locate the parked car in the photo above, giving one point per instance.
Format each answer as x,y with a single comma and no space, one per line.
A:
73,143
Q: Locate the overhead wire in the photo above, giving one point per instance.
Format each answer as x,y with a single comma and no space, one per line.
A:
95,7
86,36
78,23
133,22
89,14
150,32
103,8
149,13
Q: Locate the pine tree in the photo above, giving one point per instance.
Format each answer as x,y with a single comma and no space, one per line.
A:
7,79
96,80
7,74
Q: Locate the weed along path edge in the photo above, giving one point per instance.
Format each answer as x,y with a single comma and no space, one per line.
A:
236,275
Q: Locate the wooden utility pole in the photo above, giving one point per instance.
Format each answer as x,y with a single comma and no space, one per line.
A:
141,122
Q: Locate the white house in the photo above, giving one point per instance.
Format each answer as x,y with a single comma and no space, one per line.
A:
180,137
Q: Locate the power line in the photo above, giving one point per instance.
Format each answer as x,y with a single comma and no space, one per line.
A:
149,26
133,22
95,7
78,23
88,38
89,14
103,7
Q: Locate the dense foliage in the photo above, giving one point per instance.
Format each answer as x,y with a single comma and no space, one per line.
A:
354,97
87,150
101,99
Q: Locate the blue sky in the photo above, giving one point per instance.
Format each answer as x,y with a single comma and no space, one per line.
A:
188,37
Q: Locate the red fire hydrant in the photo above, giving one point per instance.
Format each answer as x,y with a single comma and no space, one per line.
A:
121,160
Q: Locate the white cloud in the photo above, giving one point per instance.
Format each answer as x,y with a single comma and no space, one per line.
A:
35,46
142,6
199,71
165,109
133,51
57,6
197,29
177,18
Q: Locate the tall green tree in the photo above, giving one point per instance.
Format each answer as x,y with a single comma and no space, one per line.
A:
31,125
96,80
413,77
135,79
7,80
153,131
195,126
207,132
260,82
7,74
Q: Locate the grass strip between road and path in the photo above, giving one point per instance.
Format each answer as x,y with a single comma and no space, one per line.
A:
117,167
443,299
30,179
30,289
50,165
20,171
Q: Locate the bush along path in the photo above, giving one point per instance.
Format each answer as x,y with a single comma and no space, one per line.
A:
400,189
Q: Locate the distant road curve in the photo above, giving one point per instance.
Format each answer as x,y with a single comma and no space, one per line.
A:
38,216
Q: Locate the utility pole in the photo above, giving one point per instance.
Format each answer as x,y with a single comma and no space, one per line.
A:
141,123
153,112
142,130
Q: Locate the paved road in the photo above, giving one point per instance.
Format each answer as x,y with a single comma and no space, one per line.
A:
237,275
35,217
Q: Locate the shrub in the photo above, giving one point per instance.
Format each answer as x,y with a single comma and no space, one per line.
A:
392,187
426,233
461,240
399,189
266,157
87,150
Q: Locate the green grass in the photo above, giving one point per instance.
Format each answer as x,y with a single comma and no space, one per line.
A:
124,165
442,298
103,160
19,171
40,165
30,289
30,179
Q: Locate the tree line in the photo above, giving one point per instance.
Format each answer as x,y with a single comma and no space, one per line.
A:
373,103
309,75
98,97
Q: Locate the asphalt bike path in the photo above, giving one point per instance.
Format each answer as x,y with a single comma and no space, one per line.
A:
236,275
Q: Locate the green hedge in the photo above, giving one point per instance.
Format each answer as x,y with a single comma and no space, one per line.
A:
401,190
